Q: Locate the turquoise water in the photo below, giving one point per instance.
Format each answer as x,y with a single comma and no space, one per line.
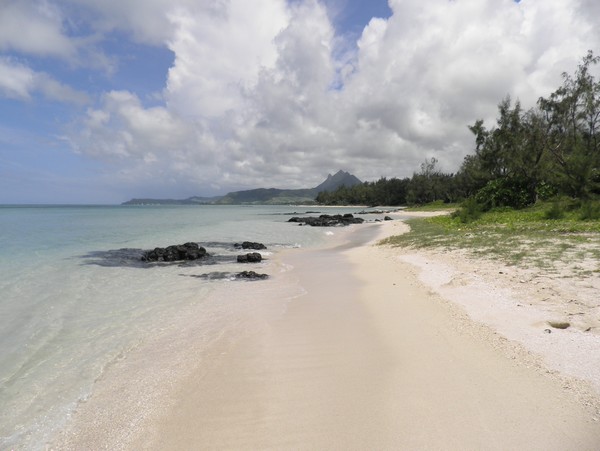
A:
74,296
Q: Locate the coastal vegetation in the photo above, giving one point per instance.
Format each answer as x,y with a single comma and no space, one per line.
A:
529,237
549,153
529,195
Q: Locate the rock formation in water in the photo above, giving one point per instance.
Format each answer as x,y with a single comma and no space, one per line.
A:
328,221
178,252
253,257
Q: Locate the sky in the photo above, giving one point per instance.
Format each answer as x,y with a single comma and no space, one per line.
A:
102,101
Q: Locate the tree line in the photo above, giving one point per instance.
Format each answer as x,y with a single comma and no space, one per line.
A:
550,150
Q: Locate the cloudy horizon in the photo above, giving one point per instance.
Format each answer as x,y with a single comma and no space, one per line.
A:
103,101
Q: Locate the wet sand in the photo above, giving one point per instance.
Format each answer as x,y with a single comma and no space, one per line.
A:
369,358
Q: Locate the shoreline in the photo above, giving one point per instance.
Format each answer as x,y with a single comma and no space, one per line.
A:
364,355
343,369
137,386
520,305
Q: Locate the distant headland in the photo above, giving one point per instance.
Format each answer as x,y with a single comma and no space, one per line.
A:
261,196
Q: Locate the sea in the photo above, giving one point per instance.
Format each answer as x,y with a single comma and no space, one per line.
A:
76,299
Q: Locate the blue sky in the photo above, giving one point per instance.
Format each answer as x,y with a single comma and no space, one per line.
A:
102,100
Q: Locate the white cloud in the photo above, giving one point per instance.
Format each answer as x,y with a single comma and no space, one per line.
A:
45,29
219,52
121,128
18,81
34,27
147,145
253,98
145,20
55,90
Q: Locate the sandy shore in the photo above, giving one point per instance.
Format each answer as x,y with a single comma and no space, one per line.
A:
371,358
524,305
374,354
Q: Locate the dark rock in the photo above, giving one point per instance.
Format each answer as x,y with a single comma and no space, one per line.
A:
387,218
378,212
253,257
251,275
178,252
328,220
250,245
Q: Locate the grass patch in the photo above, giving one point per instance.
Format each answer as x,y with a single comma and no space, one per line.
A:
438,205
517,237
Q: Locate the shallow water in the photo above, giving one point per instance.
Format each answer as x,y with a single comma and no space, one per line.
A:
76,298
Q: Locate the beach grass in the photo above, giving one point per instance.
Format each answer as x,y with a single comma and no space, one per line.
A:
526,238
438,205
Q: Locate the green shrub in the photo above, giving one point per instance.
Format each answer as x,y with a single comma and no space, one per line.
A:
469,211
557,211
504,192
546,191
590,210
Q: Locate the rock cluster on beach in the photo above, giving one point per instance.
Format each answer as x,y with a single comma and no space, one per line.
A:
251,275
187,254
253,257
328,220
250,245
178,252
379,212
193,251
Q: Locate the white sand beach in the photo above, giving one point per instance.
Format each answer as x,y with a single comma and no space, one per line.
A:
382,348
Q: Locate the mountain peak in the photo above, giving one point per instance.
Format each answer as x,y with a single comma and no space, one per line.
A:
340,178
338,174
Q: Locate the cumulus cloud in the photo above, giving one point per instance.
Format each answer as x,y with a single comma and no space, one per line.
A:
34,27
18,81
259,94
145,20
147,145
219,52
121,128
45,29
